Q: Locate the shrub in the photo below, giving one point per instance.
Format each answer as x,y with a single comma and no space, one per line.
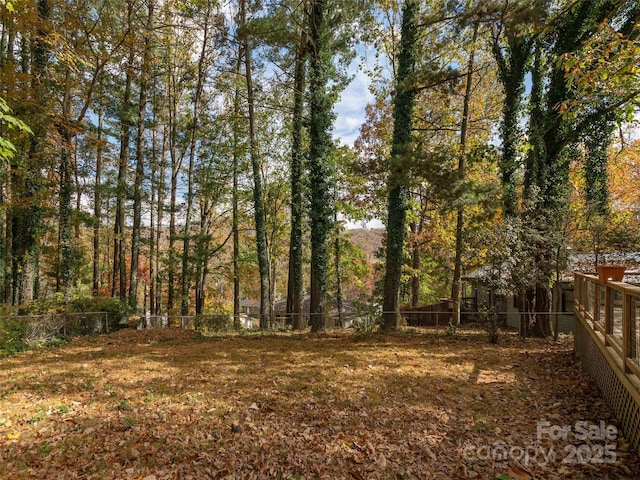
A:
98,304
113,306
48,305
489,321
11,336
366,325
367,317
214,322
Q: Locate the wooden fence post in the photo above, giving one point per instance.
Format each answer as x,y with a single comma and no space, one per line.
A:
626,330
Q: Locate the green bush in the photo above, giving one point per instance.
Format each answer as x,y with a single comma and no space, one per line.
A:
98,304
488,318
44,306
113,306
11,336
367,317
214,322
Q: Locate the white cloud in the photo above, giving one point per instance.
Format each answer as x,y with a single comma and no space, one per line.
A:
350,109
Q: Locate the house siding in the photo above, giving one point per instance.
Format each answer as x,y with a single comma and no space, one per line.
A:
510,315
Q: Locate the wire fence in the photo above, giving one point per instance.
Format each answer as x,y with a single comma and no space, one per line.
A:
46,327
252,321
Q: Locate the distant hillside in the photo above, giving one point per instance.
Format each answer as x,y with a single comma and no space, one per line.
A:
368,239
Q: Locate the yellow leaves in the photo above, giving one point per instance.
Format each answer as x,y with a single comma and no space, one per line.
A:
605,66
624,178
564,109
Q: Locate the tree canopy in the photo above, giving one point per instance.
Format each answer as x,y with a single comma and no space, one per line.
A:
182,157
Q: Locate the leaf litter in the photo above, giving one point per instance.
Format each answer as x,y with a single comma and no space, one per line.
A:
171,404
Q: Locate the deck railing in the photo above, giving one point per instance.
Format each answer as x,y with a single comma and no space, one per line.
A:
607,340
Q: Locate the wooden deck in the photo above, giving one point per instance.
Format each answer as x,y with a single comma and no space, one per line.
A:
607,340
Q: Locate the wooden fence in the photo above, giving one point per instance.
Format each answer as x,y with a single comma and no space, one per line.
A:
428,315
440,314
607,340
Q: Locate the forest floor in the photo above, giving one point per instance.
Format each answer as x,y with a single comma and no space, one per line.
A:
171,404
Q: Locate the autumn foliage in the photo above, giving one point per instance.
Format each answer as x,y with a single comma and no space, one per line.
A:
168,404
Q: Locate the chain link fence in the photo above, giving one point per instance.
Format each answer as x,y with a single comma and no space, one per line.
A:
36,328
225,321
42,328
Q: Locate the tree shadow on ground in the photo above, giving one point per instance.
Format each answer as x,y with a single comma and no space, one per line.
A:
417,406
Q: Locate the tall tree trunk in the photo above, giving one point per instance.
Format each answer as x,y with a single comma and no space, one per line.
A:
202,255
258,201
152,226
159,225
512,65
534,164
186,276
171,287
140,156
320,150
415,265
553,133
534,177
97,202
462,166
235,223
295,283
65,246
336,259
8,239
273,278
26,179
176,166
65,249
119,282
400,165
596,175
154,205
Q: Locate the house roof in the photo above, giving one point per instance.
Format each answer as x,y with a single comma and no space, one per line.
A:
486,271
577,262
250,302
586,263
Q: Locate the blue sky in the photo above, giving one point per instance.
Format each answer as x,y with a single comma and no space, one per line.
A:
350,109
350,115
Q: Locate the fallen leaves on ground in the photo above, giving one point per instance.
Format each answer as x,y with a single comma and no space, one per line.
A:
171,404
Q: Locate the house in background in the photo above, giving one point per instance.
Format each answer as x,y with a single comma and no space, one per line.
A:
479,288
333,317
250,307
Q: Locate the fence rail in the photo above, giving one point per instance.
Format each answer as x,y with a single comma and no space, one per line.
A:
607,340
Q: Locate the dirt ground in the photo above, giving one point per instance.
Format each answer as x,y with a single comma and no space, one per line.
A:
171,404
